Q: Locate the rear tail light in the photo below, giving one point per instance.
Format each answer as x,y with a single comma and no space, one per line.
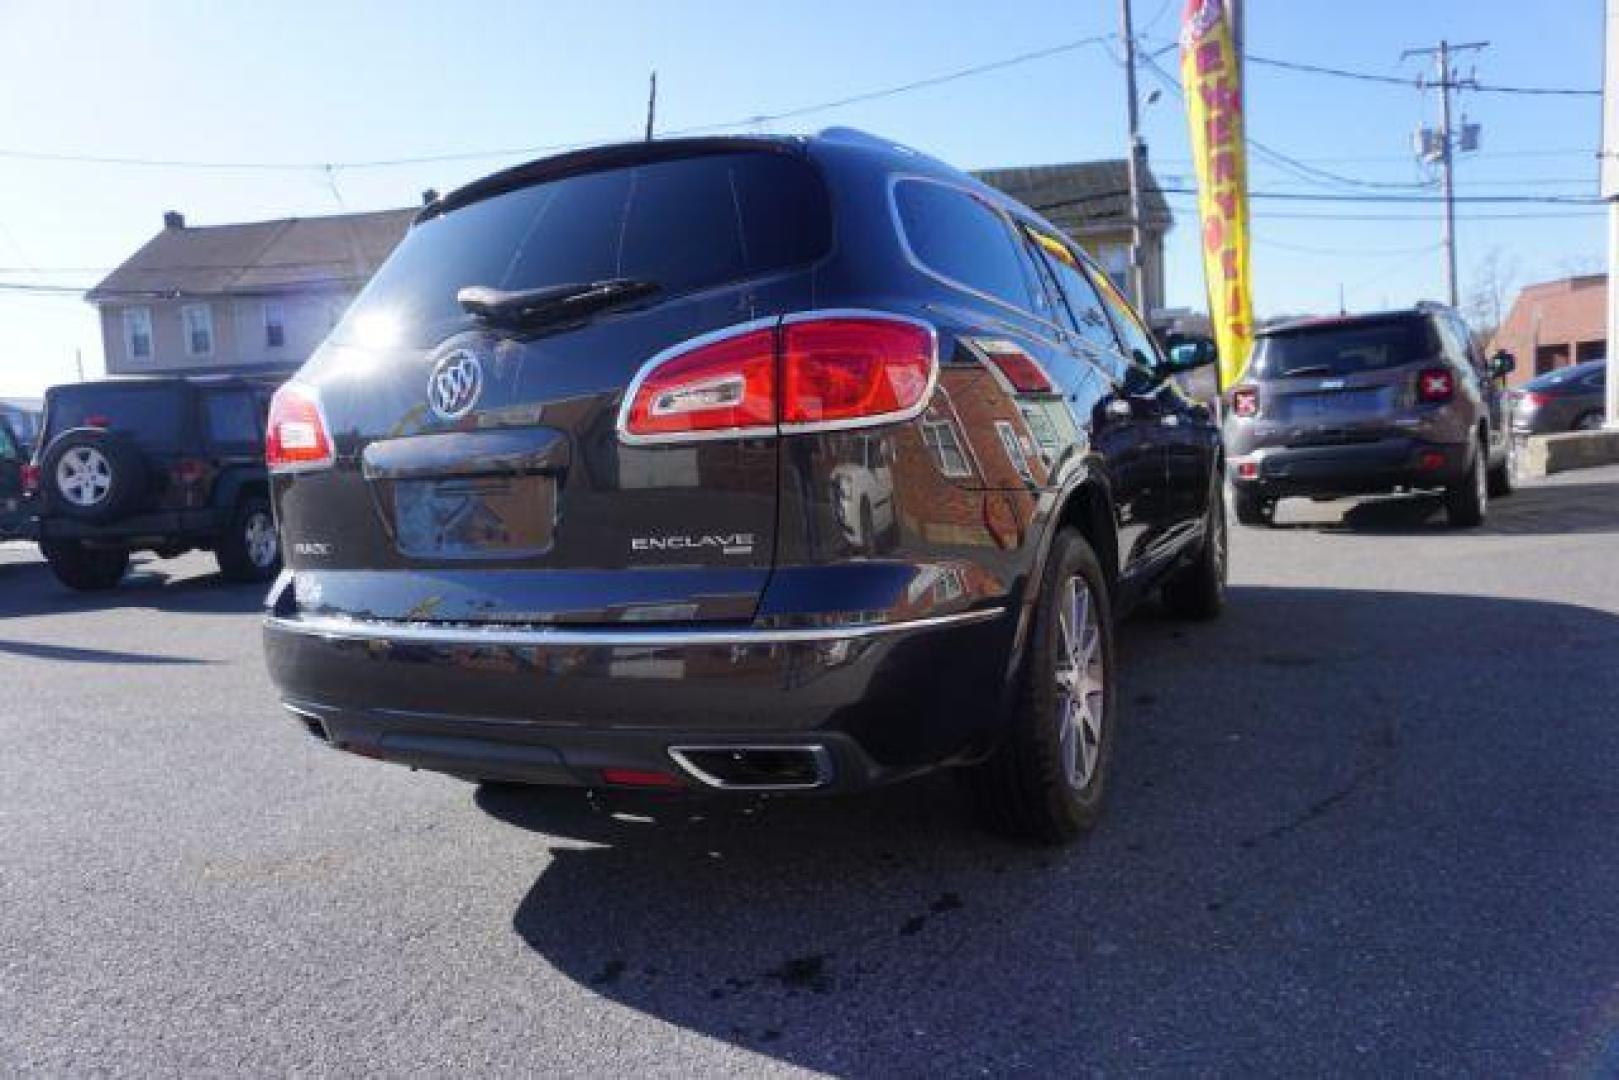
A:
1534,398
188,471
1248,470
297,438
1021,370
814,371
1245,401
30,478
1435,385
641,778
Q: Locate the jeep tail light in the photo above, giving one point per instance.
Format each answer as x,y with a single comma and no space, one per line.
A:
1021,370
297,438
1435,385
30,479
1245,401
854,370
840,370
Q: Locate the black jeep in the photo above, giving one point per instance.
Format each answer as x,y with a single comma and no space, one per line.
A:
160,464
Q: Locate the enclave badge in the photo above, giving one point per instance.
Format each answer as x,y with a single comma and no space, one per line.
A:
456,382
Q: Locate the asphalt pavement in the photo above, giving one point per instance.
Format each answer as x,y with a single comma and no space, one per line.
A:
1366,823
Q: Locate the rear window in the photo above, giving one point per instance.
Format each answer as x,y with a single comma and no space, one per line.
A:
1345,348
1585,377
687,224
150,415
231,417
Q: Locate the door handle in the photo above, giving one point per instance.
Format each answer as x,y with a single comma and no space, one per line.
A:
1120,409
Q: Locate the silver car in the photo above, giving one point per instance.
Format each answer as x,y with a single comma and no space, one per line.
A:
1364,404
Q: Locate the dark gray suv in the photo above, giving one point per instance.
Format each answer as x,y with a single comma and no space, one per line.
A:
1365,404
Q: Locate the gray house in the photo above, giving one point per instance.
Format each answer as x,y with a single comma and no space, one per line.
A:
252,297
1089,200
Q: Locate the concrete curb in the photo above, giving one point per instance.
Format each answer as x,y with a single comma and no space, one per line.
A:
1542,455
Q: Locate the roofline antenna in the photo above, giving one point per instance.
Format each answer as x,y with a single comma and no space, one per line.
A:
651,105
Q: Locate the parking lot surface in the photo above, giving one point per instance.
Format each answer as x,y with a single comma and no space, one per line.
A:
1367,822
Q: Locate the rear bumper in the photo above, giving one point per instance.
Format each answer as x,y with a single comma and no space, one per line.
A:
1350,469
559,706
154,529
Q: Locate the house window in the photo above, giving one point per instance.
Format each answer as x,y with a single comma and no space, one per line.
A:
1115,262
275,325
198,322
940,437
138,333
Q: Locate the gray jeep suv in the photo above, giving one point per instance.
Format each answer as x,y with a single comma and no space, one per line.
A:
1365,404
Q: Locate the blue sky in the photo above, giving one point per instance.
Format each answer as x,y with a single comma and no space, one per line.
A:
303,82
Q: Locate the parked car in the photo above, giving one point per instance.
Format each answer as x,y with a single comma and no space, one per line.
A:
23,416
1568,399
160,464
563,495
16,515
1363,404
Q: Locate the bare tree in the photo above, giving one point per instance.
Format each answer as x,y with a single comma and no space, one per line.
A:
1494,278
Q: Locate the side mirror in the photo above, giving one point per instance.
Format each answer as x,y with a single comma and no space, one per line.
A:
1503,364
1183,354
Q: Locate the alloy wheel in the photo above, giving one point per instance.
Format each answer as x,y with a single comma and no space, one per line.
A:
259,532
1081,682
84,476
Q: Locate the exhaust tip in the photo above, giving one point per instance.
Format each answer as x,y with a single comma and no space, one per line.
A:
756,768
310,722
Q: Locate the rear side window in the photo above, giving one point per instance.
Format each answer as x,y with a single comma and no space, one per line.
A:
962,239
686,224
231,418
8,447
1346,348
1083,304
153,416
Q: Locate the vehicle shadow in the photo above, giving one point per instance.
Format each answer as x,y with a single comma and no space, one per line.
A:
28,588
1570,508
1347,827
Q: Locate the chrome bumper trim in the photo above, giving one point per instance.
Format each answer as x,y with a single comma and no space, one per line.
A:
540,636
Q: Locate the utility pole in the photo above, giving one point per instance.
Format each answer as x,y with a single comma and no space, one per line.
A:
1138,150
1446,80
651,106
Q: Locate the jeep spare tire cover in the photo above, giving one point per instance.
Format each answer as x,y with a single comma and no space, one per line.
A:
91,474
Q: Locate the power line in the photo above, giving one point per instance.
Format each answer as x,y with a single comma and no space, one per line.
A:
329,167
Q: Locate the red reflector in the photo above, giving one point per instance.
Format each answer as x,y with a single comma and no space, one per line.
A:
1435,385
640,778
1021,370
30,478
1245,401
1248,470
836,370
1430,460
188,471
726,386
296,436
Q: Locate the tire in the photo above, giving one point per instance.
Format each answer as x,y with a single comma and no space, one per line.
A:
1588,421
1197,590
1253,508
1047,780
92,475
86,569
1503,478
1467,500
245,553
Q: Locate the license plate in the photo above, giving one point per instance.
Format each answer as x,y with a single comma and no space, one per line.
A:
479,517
1307,405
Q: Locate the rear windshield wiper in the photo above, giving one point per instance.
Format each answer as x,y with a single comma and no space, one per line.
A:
1311,369
552,303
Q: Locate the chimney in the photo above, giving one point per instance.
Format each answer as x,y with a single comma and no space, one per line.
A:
173,219
430,196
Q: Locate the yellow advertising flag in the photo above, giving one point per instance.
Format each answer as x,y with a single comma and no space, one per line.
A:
1213,81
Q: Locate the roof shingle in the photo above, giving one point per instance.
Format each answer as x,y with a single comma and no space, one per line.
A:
1083,196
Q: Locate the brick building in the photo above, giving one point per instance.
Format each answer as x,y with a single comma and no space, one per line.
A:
1554,324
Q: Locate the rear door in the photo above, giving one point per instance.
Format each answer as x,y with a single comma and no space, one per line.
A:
480,475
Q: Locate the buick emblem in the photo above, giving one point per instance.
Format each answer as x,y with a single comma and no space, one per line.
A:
455,384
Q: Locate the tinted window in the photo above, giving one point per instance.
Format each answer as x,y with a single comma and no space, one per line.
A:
1344,348
961,238
8,448
1140,347
1083,305
686,224
231,417
151,415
